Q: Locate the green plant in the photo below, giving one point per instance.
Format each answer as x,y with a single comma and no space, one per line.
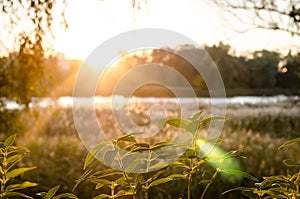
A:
201,152
277,186
134,176
51,194
9,156
123,181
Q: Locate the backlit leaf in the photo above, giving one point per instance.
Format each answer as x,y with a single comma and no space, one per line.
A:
290,163
239,173
293,141
16,172
197,115
159,181
127,138
101,196
10,140
23,185
65,195
91,155
178,123
208,119
52,191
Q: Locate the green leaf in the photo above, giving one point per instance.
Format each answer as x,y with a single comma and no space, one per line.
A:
178,123
12,160
127,138
215,140
139,179
290,163
197,115
82,178
192,127
52,192
160,145
134,164
99,185
10,140
15,149
110,156
190,153
156,175
113,173
250,194
293,141
177,176
159,181
123,193
91,155
106,172
200,162
208,119
179,164
139,147
231,154
16,172
159,165
101,196
65,195
239,173
23,185
104,182
205,182
239,189
15,195
278,178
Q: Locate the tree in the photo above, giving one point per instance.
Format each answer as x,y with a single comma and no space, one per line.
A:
289,75
231,68
266,14
264,67
30,23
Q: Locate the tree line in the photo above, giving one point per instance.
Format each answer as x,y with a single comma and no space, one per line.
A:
260,73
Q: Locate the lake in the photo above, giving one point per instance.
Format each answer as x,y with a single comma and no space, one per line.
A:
68,101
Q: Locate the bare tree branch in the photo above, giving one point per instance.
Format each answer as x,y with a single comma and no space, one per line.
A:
266,14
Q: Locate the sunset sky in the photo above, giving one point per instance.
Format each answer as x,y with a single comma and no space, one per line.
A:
93,22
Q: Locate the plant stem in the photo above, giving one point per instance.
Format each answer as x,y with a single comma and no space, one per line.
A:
190,178
4,165
191,166
125,175
113,189
297,183
189,186
148,166
211,181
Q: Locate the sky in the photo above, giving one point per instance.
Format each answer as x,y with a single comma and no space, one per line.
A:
95,21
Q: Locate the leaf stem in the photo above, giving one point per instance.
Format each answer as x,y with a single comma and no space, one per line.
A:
4,170
211,181
125,175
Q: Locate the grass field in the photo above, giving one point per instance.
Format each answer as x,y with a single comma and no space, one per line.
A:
51,136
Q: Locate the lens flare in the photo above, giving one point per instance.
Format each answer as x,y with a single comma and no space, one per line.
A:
218,158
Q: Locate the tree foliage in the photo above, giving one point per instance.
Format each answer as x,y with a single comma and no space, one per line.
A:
30,23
